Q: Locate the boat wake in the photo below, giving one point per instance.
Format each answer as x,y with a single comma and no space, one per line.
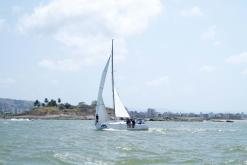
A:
19,119
112,129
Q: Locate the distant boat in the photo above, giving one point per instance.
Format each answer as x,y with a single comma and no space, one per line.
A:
218,120
102,119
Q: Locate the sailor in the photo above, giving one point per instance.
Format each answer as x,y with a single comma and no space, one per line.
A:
133,123
97,119
128,122
140,121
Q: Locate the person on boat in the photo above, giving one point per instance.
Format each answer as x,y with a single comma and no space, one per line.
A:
97,119
140,121
128,122
133,123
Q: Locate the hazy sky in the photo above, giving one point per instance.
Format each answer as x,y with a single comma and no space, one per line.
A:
170,54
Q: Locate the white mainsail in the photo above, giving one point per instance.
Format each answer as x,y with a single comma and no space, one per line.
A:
100,107
120,110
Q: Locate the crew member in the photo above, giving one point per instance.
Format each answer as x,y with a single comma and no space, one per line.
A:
128,122
97,119
133,123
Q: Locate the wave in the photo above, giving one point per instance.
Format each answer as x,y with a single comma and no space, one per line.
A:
112,129
73,158
237,148
158,130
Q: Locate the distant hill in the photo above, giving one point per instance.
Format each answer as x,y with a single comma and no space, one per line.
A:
15,106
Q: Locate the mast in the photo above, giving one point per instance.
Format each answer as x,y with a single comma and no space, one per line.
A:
112,74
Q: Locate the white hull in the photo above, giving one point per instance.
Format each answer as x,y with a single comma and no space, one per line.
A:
120,125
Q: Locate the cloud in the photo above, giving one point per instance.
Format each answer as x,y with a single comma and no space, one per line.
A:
87,26
7,81
210,35
165,80
60,65
217,43
237,59
244,72
207,69
3,24
16,10
193,12
54,82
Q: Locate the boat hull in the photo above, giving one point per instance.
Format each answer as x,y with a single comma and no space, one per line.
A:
120,125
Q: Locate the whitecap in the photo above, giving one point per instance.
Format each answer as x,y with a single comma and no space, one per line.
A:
73,158
157,130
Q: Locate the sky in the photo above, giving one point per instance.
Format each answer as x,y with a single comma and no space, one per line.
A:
172,55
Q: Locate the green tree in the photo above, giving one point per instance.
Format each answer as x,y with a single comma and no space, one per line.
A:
59,100
46,101
61,106
94,103
52,103
82,105
67,106
36,103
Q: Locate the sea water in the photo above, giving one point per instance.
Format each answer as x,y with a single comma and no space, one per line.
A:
77,142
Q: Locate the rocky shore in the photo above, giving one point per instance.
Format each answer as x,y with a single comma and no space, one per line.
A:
50,117
54,113
88,117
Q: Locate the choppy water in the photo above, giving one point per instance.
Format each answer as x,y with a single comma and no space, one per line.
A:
77,142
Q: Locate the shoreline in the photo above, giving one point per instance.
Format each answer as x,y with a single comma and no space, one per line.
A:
50,117
91,117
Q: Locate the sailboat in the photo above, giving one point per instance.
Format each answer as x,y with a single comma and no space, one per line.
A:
102,119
